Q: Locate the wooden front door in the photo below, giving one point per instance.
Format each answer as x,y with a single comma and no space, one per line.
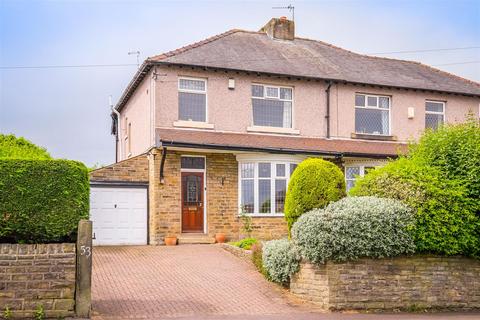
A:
192,202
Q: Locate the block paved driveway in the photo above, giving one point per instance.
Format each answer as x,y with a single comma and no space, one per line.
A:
198,282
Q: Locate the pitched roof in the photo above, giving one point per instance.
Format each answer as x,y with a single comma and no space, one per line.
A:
276,143
257,52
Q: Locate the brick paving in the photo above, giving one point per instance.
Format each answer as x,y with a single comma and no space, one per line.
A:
197,282
186,280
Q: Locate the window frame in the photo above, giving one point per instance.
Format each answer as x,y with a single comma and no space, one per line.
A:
444,104
273,177
204,80
361,171
367,95
265,97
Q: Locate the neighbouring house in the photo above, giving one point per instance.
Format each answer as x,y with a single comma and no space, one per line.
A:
215,128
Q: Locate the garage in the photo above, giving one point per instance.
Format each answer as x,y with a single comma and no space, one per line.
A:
119,214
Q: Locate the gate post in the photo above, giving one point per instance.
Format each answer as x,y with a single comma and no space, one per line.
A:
83,294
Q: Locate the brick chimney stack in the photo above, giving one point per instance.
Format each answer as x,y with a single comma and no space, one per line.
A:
280,28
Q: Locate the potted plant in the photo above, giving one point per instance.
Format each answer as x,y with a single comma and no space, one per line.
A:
170,240
220,237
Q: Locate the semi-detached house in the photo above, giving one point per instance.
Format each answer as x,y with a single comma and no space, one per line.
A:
215,128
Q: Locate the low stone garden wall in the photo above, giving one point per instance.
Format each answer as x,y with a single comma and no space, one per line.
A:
37,274
245,255
406,283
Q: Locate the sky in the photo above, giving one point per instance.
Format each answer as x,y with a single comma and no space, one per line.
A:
66,109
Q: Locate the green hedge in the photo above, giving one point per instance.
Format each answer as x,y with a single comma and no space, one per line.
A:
314,184
446,220
12,147
42,200
454,149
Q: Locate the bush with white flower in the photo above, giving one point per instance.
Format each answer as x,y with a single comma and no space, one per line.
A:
355,227
280,260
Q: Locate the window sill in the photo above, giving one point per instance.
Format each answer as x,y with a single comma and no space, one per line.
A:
193,124
273,130
366,136
264,215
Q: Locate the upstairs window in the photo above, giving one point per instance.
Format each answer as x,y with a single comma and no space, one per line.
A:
434,114
272,106
192,99
372,114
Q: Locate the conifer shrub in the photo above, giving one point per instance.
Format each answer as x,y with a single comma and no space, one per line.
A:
314,184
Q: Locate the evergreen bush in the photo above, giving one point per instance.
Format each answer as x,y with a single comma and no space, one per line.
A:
280,260
355,227
314,184
42,200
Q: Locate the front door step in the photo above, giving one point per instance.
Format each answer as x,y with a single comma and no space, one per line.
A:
195,238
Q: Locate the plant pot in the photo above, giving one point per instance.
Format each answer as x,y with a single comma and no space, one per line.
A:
170,241
220,237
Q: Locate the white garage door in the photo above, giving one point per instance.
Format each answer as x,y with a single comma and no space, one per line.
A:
119,215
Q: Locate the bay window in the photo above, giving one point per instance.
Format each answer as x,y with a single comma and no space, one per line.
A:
353,172
272,106
372,114
263,186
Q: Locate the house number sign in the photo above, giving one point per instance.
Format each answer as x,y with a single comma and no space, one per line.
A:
85,251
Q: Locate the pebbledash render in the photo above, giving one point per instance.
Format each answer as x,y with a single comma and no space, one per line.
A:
216,128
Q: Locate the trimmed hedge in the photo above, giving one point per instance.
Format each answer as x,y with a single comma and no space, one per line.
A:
42,200
446,219
314,184
355,227
12,147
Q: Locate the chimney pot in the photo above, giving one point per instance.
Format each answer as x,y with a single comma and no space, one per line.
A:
280,28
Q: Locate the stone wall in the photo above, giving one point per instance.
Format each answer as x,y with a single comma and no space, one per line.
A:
37,274
245,255
221,202
407,283
131,170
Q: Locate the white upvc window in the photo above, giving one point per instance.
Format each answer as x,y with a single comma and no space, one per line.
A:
192,99
354,171
272,106
263,186
434,114
372,114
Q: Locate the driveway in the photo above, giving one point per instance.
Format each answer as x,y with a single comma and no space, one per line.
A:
197,282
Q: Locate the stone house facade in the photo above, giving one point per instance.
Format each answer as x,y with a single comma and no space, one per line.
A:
215,129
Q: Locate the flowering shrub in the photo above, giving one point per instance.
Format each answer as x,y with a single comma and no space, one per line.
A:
355,227
280,260
314,184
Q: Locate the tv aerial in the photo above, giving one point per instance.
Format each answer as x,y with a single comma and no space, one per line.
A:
289,8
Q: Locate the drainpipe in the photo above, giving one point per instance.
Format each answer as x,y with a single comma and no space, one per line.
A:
119,143
162,165
327,116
